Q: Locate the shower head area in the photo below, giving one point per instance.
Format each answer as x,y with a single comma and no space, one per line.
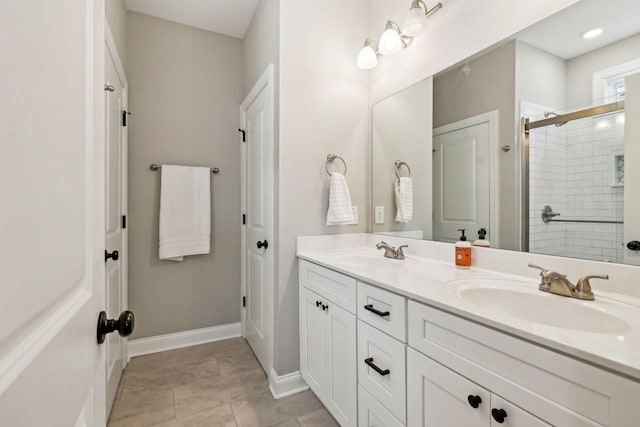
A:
574,181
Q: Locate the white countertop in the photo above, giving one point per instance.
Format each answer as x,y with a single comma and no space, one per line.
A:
429,281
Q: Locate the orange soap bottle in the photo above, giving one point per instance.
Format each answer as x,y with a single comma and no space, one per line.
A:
463,251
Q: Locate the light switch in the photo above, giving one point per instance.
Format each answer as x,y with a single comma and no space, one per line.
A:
379,215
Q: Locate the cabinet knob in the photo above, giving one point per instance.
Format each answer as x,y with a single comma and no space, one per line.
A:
318,303
499,415
474,401
325,307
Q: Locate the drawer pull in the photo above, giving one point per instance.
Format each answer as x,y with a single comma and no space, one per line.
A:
370,308
382,372
474,401
499,415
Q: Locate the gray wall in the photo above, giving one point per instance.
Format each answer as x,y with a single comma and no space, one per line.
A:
581,68
490,86
116,14
185,92
540,77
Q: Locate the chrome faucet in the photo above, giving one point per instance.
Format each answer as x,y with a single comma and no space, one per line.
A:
390,251
556,283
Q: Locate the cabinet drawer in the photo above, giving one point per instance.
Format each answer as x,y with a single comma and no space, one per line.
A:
372,414
382,369
336,287
384,310
513,415
559,389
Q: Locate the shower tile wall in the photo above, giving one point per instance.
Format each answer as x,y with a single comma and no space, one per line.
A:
572,170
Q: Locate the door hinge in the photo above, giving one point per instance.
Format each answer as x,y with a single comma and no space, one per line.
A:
244,136
244,219
244,301
125,113
124,221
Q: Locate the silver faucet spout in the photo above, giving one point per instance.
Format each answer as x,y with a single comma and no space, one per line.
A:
556,283
389,251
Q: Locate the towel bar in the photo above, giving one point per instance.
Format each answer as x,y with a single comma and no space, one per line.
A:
155,167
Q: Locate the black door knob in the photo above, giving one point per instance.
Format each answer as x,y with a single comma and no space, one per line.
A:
264,244
124,325
474,401
113,255
633,245
499,415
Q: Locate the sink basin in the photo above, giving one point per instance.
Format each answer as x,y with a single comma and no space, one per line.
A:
505,298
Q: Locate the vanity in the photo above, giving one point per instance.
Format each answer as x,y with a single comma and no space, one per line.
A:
417,342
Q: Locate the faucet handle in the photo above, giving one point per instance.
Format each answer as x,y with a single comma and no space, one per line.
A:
543,270
400,252
583,287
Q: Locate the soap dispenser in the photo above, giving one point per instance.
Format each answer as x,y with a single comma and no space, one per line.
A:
481,240
463,251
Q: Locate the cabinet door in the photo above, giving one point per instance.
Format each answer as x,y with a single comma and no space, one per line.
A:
340,354
440,397
505,413
312,341
372,414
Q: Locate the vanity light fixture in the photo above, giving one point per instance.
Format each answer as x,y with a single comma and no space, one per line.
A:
368,56
593,33
394,38
415,21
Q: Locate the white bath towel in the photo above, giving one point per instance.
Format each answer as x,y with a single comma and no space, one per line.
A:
404,199
340,211
185,212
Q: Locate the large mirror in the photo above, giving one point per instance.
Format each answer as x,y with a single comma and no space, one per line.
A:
527,140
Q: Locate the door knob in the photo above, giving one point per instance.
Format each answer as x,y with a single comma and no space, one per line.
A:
124,325
113,255
633,245
264,244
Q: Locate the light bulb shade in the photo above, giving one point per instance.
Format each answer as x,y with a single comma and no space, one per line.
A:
390,41
415,22
367,58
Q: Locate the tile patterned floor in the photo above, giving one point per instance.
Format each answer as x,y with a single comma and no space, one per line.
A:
219,384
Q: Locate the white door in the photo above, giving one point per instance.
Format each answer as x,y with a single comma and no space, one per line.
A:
632,174
258,217
437,396
52,370
115,211
461,183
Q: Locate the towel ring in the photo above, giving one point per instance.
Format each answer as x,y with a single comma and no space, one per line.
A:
330,159
399,164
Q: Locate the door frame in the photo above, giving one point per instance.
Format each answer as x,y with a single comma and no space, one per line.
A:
265,82
111,49
493,119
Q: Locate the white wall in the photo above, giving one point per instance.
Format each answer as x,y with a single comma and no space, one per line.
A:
323,109
540,77
459,30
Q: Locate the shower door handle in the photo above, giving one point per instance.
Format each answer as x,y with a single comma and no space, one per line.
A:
633,245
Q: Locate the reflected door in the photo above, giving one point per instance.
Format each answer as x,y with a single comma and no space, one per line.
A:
632,175
461,182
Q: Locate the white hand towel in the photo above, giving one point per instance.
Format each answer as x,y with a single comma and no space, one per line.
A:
404,199
340,211
185,212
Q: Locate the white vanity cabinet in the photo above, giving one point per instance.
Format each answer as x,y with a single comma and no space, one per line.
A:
376,358
328,339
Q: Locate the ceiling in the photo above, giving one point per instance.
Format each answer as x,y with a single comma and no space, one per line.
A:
228,17
561,34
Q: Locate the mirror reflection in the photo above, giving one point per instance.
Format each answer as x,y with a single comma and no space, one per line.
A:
527,140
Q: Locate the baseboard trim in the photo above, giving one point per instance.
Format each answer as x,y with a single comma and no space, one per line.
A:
166,342
286,385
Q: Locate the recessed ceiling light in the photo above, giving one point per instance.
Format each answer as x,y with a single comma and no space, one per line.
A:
593,33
